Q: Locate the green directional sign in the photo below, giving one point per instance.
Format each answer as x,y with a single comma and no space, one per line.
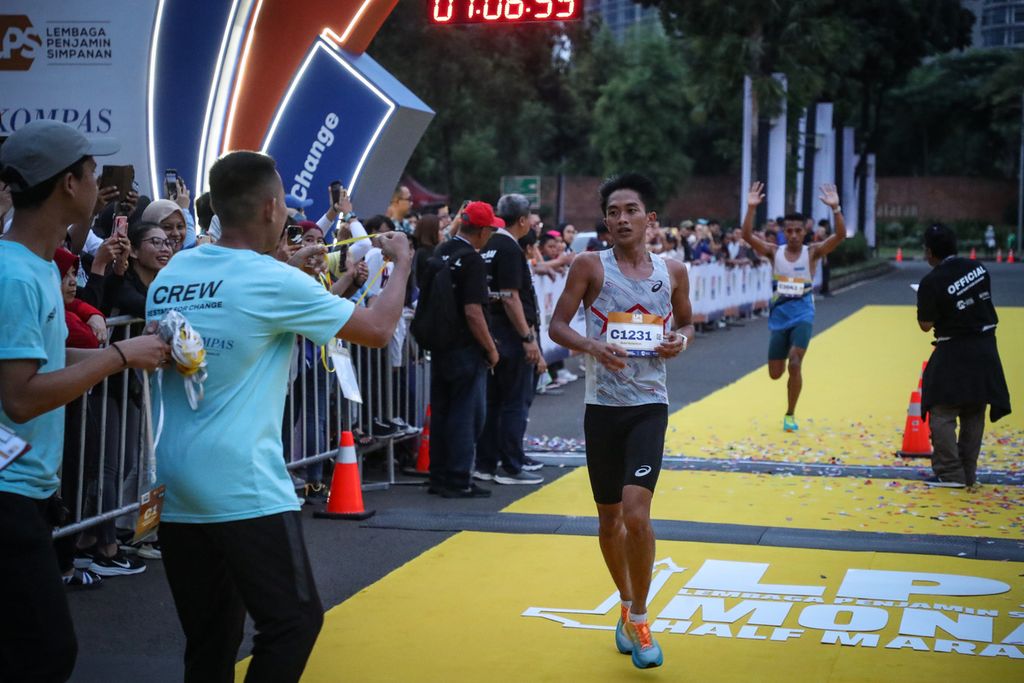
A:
526,185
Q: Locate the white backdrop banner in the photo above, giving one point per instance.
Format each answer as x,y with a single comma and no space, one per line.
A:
83,63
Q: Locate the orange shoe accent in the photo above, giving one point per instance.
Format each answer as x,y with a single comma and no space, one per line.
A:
643,634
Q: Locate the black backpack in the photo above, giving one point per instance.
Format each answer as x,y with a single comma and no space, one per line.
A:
437,326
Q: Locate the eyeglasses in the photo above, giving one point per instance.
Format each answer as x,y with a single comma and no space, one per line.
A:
159,243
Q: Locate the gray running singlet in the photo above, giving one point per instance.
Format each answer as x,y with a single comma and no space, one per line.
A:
642,381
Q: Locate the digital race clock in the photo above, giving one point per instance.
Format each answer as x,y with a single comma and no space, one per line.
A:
502,11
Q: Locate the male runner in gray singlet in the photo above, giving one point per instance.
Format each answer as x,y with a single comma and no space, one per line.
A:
637,315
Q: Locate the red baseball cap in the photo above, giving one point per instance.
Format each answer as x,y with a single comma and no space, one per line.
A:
481,215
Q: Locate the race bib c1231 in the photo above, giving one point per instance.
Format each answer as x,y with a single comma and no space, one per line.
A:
638,333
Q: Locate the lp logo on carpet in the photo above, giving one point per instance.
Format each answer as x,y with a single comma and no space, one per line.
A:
870,609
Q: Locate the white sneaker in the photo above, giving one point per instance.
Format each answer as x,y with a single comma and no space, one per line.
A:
524,477
565,376
483,476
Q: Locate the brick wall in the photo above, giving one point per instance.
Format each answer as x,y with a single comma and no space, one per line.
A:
945,199
938,198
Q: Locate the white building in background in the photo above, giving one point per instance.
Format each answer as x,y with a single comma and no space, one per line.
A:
621,15
998,23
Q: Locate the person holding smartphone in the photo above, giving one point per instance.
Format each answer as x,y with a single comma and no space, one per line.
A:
231,531
51,171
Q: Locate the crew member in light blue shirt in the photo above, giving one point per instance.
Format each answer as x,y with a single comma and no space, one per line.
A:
50,169
231,532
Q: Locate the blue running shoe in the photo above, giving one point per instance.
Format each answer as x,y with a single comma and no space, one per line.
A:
646,651
622,639
789,424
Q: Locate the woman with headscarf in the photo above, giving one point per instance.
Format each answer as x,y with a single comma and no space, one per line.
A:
171,218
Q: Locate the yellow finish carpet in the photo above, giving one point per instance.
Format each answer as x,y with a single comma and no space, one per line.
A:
858,376
836,504
523,608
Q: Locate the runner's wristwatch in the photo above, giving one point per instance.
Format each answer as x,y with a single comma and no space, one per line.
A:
528,338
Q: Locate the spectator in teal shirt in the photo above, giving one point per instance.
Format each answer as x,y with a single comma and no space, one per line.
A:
50,169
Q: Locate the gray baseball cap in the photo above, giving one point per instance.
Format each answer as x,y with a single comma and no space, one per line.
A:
43,148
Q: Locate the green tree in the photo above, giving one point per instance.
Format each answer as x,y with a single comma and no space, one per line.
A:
642,114
957,115
507,101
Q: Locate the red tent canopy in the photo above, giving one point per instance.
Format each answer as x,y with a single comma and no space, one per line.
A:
421,196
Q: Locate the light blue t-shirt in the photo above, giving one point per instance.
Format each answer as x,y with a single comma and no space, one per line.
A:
32,327
224,461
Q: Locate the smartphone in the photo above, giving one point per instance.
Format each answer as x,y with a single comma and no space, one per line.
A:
294,234
120,226
171,183
336,190
121,177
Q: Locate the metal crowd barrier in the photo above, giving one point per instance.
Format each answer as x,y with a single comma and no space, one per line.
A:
108,457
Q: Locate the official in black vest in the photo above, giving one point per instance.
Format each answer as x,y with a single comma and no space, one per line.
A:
964,373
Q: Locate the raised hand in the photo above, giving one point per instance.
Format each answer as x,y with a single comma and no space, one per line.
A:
829,196
394,246
184,197
105,196
756,194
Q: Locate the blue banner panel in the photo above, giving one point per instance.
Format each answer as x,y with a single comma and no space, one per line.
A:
327,125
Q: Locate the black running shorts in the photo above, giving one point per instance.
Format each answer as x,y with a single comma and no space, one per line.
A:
624,446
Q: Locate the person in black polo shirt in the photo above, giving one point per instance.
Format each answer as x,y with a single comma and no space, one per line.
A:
964,373
458,393
513,322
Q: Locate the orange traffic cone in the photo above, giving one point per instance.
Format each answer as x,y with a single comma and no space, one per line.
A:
899,254
1009,257
999,255
974,254
920,379
345,501
916,435
422,468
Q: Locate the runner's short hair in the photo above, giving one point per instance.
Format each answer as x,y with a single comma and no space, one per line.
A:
795,217
640,184
239,183
940,240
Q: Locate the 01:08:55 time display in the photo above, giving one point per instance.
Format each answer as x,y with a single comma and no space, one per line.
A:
503,11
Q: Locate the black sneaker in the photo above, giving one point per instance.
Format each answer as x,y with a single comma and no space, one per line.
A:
84,557
118,565
939,482
473,491
403,426
83,579
384,429
316,492
531,465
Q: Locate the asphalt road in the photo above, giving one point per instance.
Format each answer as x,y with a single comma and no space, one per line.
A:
128,630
